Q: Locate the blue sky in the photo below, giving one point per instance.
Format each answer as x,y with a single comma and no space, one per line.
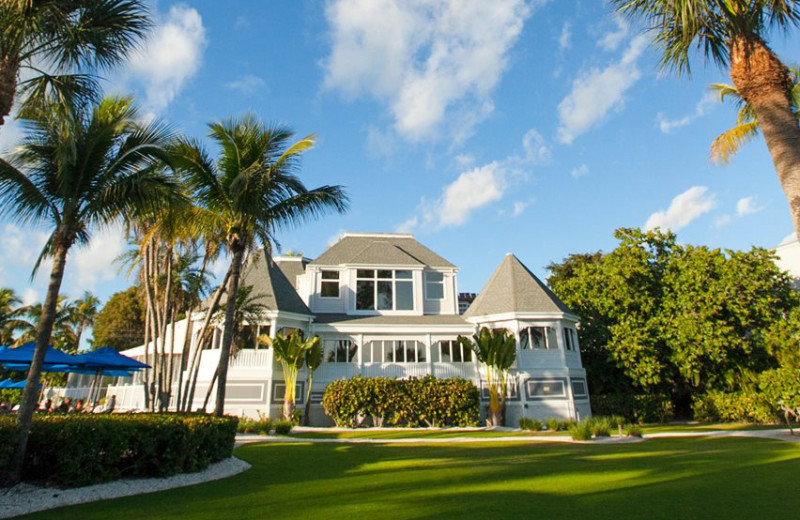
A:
482,127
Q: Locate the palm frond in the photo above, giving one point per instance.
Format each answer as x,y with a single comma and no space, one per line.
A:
729,142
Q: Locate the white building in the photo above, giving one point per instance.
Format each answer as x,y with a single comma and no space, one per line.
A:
386,305
788,253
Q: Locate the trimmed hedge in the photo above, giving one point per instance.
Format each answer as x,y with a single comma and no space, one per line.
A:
426,401
77,450
641,408
739,406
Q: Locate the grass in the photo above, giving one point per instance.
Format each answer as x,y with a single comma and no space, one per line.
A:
707,478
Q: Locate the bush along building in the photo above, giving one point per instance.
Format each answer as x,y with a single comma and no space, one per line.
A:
386,305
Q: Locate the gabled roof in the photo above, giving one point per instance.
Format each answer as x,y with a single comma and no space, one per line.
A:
380,249
271,287
514,288
292,267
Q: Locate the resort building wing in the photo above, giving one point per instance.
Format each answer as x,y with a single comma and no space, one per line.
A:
386,305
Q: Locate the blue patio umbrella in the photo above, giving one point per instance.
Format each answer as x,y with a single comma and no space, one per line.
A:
4,384
23,356
108,358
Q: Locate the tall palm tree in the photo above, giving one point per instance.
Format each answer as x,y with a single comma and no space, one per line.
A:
313,359
74,177
60,44
497,350
728,143
733,34
84,312
249,192
291,352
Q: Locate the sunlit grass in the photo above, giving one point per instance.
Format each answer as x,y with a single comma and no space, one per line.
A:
659,479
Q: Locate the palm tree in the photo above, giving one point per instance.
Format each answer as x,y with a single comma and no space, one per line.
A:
497,350
249,192
313,359
74,177
728,143
733,34
60,43
11,313
291,352
84,312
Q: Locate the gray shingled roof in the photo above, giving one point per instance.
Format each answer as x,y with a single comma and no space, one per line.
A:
292,268
514,288
425,320
270,286
380,249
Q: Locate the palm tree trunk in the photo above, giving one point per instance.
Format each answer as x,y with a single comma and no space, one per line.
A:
763,81
9,69
29,395
227,334
307,409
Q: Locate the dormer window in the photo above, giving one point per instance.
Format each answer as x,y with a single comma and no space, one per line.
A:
384,290
434,286
329,284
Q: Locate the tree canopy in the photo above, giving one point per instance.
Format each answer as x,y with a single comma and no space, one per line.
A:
120,323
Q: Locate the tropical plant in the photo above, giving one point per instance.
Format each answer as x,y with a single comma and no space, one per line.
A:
728,143
248,193
734,34
59,45
313,359
11,316
497,350
84,312
291,352
86,172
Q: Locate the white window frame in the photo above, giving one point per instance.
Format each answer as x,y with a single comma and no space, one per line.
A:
323,281
394,280
419,346
337,341
545,336
437,347
531,396
435,282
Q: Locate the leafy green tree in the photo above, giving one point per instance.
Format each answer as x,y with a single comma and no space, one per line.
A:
60,44
120,323
747,128
496,349
73,176
291,352
666,318
733,34
249,192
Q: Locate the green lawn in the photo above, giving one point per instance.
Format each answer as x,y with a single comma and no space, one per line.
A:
686,478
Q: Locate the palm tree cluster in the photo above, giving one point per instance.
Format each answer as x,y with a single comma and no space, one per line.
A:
18,323
88,162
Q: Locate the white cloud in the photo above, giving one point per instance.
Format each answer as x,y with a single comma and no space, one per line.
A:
564,39
705,104
597,91
683,209
788,239
20,247
536,150
247,84
471,191
747,206
335,238
611,40
10,134
580,171
96,262
723,220
519,207
426,59
170,57
407,226
29,296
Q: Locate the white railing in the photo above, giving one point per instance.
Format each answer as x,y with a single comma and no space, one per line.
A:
250,358
73,392
129,397
396,370
463,370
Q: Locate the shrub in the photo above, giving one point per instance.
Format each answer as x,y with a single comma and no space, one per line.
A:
261,426
781,389
640,408
581,431
599,426
78,450
633,430
283,427
425,401
742,406
554,424
529,424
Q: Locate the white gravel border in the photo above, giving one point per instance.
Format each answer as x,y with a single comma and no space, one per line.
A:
26,498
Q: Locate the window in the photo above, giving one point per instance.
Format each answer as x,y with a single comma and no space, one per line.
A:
394,351
279,392
434,286
340,351
384,290
569,338
579,388
451,351
534,338
329,284
512,390
546,388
